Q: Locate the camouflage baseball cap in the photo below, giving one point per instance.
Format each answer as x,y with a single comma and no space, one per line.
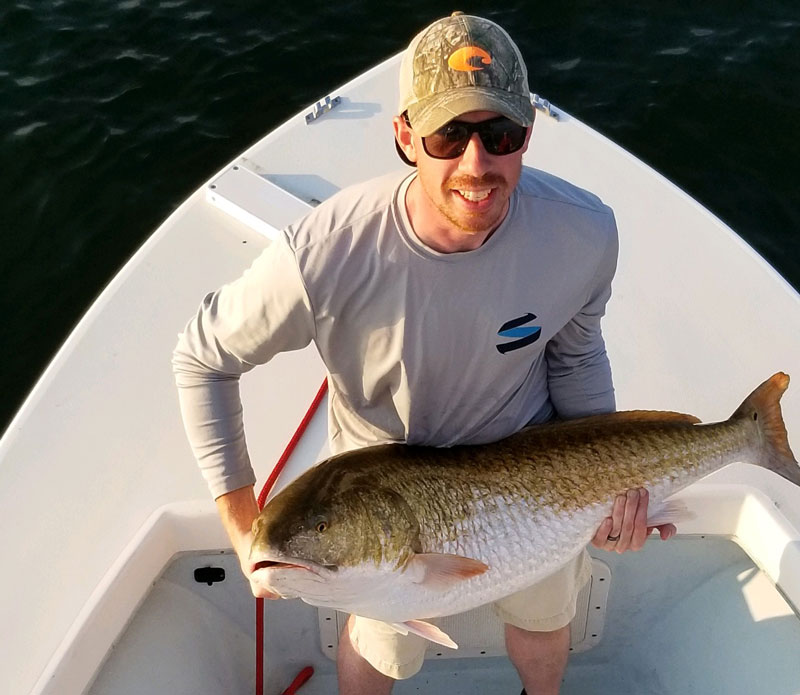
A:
458,64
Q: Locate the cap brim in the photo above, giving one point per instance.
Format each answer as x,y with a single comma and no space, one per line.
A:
431,114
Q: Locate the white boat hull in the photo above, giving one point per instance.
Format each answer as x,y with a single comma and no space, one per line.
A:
95,468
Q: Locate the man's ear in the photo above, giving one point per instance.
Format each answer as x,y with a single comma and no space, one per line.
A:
405,141
527,139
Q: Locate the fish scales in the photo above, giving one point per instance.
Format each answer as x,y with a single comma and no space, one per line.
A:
542,498
561,474
398,532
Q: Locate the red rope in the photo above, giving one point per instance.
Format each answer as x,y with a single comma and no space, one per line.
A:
305,674
287,452
299,680
259,646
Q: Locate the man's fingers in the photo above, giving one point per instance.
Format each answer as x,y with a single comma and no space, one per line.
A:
630,508
611,526
603,532
617,515
640,522
627,526
666,531
260,591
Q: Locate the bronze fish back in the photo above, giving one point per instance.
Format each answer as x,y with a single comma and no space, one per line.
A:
564,467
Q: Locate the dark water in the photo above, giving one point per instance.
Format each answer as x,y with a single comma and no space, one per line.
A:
112,112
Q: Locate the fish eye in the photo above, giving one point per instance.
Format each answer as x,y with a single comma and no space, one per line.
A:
321,526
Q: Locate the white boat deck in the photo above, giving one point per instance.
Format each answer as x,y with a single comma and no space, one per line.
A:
96,469
652,641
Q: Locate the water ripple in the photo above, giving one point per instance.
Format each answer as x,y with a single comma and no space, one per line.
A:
28,129
32,80
566,65
677,51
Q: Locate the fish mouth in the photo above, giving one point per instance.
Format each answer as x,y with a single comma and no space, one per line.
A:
288,564
274,564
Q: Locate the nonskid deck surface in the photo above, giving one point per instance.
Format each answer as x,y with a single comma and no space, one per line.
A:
673,609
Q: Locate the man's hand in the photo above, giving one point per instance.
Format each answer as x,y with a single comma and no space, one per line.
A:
626,528
238,510
242,548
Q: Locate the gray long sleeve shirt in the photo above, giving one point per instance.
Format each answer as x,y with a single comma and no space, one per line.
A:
420,346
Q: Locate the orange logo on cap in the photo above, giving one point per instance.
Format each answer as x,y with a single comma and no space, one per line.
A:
466,57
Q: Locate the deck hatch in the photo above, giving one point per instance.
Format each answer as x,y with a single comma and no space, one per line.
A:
254,200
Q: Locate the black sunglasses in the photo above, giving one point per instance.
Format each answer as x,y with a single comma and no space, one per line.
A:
499,136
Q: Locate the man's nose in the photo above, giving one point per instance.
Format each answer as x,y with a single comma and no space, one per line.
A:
475,157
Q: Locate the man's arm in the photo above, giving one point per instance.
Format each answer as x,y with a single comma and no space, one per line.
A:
580,384
238,510
578,371
243,324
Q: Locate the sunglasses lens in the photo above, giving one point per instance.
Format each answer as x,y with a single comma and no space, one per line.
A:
449,141
499,136
503,137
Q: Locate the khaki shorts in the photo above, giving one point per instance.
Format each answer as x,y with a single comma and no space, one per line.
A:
543,607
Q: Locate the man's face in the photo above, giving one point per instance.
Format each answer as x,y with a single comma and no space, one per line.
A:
468,195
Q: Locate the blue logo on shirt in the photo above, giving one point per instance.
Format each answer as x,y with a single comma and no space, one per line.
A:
516,328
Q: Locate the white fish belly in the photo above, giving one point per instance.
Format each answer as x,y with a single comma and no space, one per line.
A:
519,545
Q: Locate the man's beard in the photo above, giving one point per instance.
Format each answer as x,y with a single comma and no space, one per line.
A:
479,221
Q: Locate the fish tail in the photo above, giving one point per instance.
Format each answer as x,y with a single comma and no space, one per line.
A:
764,407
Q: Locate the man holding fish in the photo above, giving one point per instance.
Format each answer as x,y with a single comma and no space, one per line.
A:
454,306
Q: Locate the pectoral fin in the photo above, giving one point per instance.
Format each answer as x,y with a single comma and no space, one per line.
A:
427,630
442,571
